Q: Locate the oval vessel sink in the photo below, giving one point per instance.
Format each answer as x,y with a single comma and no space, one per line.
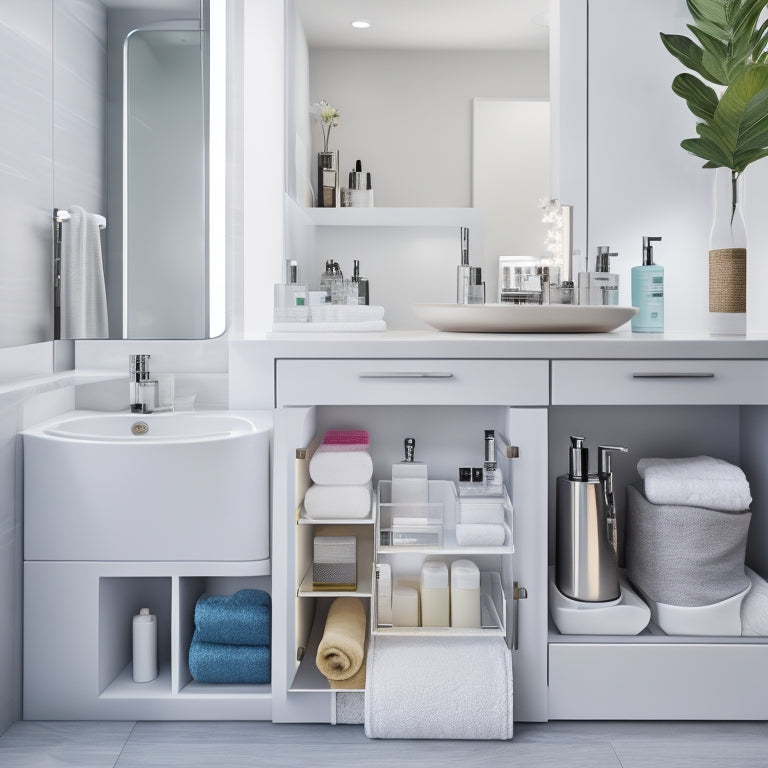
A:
523,318
160,487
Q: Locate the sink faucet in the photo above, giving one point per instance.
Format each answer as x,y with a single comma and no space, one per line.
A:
470,288
143,389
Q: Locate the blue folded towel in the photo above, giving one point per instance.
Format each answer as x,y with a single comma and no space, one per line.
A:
240,619
218,663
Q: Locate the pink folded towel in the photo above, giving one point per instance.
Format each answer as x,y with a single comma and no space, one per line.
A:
358,438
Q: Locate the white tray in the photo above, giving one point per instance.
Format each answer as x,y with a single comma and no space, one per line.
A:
523,318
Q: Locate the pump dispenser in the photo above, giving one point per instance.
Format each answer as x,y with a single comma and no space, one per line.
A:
410,482
470,288
601,287
586,566
648,292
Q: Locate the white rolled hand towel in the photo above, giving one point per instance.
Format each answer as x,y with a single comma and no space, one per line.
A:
700,481
331,465
479,535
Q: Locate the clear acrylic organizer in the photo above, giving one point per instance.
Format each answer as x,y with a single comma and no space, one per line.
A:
414,525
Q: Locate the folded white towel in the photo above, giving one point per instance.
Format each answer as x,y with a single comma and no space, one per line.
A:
329,466
438,688
754,609
324,502
479,535
700,481
485,511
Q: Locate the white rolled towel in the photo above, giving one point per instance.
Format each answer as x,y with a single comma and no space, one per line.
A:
324,502
332,466
479,535
700,481
488,512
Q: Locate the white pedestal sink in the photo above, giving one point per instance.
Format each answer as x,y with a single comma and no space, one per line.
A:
160,487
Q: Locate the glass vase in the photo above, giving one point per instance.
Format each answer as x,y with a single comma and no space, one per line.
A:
728,256
328,179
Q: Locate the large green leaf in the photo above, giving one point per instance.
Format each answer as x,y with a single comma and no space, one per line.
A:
706,151
690,55
736,112
709,15
745,17
700,98
715,57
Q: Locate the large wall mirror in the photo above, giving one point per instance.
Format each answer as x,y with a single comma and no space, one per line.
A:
445,102
111,167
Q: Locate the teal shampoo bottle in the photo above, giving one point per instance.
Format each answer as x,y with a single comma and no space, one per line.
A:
648,292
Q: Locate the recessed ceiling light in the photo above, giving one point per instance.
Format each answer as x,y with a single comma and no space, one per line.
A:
361,24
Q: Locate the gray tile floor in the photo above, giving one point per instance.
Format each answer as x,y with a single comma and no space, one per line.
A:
234,744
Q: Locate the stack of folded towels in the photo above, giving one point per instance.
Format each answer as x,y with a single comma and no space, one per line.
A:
687,528
480,522
342,471
231,643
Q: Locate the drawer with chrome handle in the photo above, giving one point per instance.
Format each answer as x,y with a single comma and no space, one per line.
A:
659,382
412,382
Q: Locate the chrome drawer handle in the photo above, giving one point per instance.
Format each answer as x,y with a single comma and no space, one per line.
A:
673,375
407,375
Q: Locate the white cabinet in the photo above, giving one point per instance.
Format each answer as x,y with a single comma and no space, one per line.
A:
447,420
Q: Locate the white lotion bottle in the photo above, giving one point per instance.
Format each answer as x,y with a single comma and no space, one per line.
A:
435,595
465,594
144,646
410,483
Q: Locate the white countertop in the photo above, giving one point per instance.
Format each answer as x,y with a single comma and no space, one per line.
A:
620,344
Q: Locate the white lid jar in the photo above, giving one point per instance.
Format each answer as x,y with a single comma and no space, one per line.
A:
435,594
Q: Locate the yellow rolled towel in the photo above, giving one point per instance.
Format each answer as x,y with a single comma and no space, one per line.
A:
341,653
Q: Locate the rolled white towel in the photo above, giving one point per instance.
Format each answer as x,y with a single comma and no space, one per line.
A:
489,512
323,502
329,466
479,535
700,481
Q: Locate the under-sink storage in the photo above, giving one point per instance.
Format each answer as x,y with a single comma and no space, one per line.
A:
78,641
447,437
655,675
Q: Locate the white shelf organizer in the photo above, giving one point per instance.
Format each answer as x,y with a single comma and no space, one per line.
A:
442,512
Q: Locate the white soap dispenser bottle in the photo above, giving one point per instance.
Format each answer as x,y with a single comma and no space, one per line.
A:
144,646
410,483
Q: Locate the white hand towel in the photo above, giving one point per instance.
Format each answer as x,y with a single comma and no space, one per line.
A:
329,466
83,293
438,688
324,502
700,481
479,535
485,511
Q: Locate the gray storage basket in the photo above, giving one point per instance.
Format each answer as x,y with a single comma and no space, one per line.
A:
685,556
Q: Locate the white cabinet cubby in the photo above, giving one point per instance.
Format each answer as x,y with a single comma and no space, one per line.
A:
654,675
78,641
447,436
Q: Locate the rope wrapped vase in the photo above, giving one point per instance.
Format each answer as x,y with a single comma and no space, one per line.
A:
728,280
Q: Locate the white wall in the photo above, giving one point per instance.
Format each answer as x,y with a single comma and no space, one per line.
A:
640,180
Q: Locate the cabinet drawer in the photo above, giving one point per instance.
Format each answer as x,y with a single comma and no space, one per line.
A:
412,382
664,681
659,382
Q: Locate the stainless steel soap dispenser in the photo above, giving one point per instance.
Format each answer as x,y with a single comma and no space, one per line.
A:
586,566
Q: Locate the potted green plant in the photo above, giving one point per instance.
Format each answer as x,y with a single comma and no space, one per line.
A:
730,51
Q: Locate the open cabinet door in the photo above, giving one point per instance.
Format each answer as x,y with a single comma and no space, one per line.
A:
525,574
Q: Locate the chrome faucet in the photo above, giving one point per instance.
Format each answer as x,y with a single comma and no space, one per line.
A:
143,389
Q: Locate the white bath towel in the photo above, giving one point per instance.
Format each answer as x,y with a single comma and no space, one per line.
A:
438,688
83,293
754,609
700,481
329,466
479,535
324,502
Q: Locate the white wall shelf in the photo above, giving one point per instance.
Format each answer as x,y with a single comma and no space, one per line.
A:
387,217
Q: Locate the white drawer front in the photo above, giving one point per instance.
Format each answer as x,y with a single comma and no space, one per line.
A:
412,382
659,382
629,681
